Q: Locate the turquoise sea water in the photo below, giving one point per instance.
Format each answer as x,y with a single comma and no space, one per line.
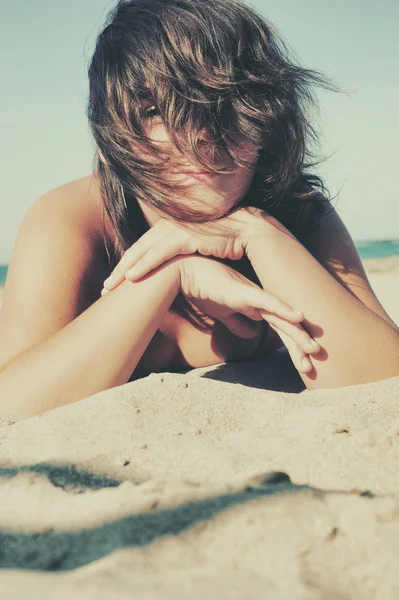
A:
366,250
378,249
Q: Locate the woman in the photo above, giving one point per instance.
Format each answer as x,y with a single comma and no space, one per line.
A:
202,135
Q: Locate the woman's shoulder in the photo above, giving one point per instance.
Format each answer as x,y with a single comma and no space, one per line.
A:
56,268
78,204
80,201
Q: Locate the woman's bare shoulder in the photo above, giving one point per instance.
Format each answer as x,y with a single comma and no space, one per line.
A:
78,204
80,200
56,269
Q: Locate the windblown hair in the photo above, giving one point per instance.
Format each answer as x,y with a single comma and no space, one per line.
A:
213,66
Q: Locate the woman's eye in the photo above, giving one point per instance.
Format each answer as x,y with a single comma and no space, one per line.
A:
150,112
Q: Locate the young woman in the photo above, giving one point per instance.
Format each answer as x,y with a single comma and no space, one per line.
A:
201,186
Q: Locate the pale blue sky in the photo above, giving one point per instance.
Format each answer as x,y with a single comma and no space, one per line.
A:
45,141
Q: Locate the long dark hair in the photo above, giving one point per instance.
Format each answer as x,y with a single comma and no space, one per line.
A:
207,65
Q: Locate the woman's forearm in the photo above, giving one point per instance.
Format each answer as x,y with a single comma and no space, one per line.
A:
96,351
357,346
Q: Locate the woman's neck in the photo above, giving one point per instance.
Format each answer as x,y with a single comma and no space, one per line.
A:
151,215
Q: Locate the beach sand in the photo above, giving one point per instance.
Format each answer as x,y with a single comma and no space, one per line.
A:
229,482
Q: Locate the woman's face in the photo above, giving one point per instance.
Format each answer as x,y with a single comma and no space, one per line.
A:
209,193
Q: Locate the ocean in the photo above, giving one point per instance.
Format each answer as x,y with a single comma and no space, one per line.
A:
366,249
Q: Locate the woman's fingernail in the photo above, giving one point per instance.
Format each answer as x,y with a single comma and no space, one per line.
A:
298,312
306,363
108,281
314,344
104,291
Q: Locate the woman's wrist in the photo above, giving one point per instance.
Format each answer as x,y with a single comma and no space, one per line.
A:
254,224
258,225
166,275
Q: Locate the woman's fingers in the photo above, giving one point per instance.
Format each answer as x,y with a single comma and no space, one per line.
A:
259,298
295,331
127,260
280,315
300,360
130,258
155,257
154,248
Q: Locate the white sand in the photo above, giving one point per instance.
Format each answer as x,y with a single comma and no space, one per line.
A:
191,509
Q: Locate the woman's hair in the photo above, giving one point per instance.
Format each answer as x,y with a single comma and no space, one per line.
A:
213,69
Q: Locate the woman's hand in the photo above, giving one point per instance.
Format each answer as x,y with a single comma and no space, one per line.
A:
223,293
225,238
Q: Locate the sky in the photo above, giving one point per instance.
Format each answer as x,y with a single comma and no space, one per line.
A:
45,139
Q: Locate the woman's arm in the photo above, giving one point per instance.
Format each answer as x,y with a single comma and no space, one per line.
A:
58,344
358,346
332,246
96,351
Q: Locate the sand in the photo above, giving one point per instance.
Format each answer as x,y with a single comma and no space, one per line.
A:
227,482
